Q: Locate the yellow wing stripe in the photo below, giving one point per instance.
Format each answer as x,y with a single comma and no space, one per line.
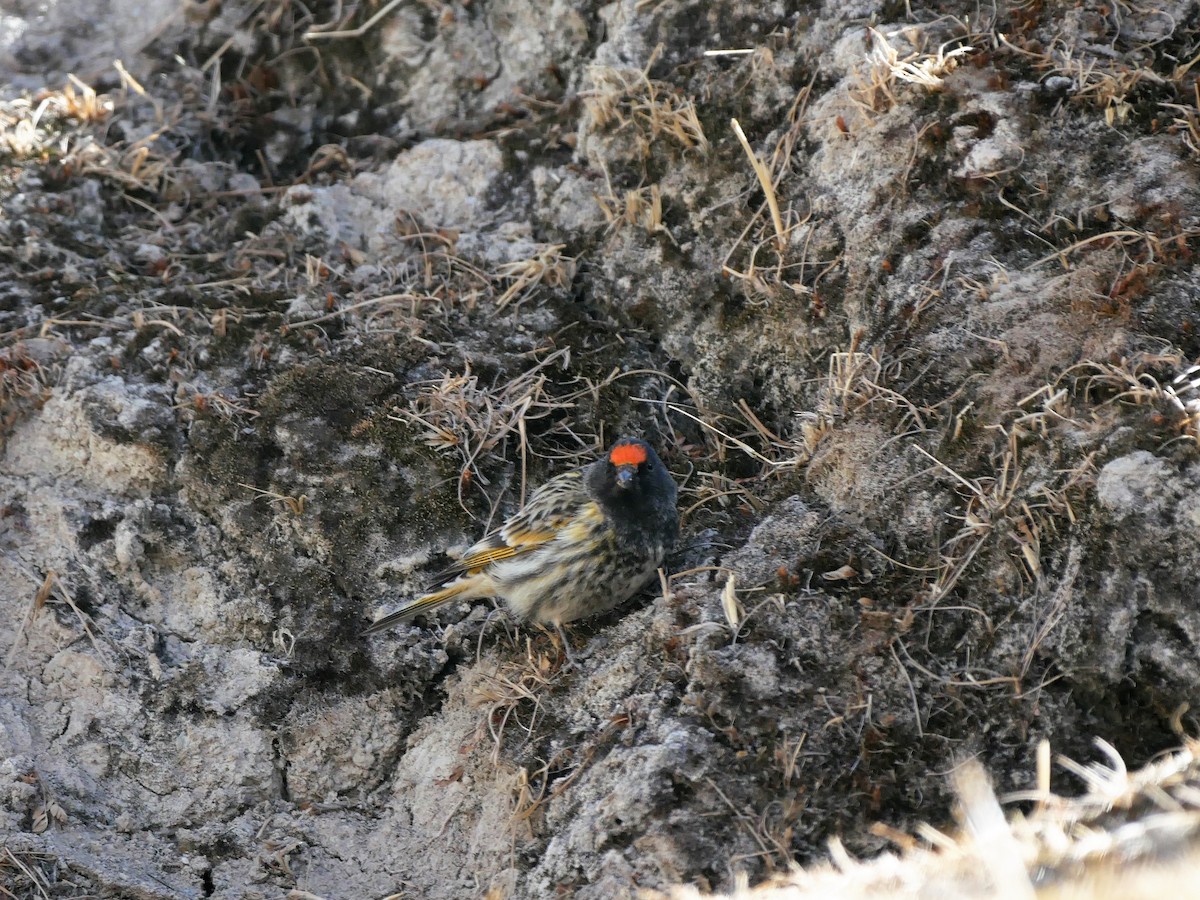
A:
476,561
515,543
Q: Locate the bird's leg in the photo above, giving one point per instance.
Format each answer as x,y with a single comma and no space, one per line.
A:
572,663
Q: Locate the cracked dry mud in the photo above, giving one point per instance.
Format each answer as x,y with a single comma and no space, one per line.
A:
287,316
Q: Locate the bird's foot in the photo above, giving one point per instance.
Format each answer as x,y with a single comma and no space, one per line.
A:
572,663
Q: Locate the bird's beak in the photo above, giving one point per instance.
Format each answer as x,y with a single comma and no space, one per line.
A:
625,476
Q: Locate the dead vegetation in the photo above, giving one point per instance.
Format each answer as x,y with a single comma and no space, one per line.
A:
28,875
47,126
1014,480
474,419
512,696
293,504
53,592
637,207
918,66
853,383
638,114
435,277
1187,119
1130,834
479,421
923,55
536,789
780,262
1130,55
68,128
23,385
1164,380
1010,506
629,103
549,267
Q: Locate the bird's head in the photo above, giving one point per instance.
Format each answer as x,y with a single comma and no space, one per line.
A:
636,492
626,457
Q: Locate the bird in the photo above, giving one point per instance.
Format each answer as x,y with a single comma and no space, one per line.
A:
586,541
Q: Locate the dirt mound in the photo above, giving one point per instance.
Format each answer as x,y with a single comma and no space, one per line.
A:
298,300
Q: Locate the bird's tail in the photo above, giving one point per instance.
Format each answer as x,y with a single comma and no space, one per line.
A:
462,589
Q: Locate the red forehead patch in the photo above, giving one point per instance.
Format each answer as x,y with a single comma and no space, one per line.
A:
627,455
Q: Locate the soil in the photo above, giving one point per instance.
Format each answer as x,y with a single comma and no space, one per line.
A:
296,304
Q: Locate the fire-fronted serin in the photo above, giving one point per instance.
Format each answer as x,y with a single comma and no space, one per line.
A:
586,541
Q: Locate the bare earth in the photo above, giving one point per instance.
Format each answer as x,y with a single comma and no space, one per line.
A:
296,302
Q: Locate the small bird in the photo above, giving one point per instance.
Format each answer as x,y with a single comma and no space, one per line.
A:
586,541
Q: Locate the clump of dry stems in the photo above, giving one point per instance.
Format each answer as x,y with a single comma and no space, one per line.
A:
1130,835
628,100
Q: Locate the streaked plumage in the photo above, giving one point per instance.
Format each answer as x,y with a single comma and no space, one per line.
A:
586,541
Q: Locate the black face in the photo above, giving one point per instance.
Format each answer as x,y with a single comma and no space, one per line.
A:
638,495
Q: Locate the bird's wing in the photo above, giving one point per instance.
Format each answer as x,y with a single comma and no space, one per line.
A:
550,508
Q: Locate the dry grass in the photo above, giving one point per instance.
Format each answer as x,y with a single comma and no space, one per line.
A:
45,126
637,207
1140,247
765,182
475,421
1005,512
771,836
433,276
1164,380
460,414
779,261
336,31
908,55
154,317
709,488
1104,71
27,874
1162,800
628,101
512,696
1129,835
1009,504
533,789
294,505
438,277
1187,119
548,267
73,128
777,455
916,66
69,126
52,591
24,384
1100,81
224,407
854,384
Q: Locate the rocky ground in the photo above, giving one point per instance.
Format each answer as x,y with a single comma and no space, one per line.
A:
298,300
